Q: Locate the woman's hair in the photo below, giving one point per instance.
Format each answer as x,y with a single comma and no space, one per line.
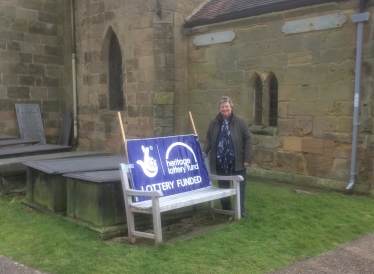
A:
225,99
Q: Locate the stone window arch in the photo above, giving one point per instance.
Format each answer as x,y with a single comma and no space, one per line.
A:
265,111
115,77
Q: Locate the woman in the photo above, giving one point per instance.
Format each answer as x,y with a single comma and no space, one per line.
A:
229,142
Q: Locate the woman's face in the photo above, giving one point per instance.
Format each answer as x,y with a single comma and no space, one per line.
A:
225,109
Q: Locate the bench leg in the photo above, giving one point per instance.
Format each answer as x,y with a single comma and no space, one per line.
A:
237,210
211,205
131,226
157,229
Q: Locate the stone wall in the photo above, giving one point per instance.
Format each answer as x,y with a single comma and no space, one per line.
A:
154,69
34,43
315,70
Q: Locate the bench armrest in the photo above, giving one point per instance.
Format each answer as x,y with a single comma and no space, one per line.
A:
154,193
224,177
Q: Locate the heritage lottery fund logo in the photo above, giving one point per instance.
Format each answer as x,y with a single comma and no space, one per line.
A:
171,166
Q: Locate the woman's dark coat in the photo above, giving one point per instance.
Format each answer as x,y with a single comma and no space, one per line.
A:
241,138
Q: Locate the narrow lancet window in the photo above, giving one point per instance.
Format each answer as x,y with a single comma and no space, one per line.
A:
116,101
273,96
258,101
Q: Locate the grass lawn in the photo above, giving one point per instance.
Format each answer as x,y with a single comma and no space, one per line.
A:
284,227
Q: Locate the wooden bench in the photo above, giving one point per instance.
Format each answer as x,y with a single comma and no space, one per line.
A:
160,203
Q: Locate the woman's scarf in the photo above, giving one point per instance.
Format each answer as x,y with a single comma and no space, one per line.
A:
225,148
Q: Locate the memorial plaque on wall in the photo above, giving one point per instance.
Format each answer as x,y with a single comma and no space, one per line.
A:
30,122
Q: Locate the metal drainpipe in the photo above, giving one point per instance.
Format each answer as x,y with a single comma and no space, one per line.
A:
74,72
360,18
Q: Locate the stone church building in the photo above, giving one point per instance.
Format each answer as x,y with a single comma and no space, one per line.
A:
298,71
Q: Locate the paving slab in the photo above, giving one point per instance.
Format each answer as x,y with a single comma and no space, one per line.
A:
8,266
356,257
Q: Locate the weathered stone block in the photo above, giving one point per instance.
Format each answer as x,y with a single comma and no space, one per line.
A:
319,166
341,170
163,31
292,143
143,49
51,40
26,14
147,111
168,111
270,142
45,59
164,98
290,162
234,78
322,124
275,61
303,125
32,4
345,124
47,17
50,7
134,111
146,62
307,108
10,80
50,82
32,47
308,93
43,28
163,16
18,92
163,122
38,93
298,75
132,64
26,80
339,108
337,55
25,58
18,68
285,127
263,156
337,72
50,50
336,91
196,56
6,105
93,79
312,145
163,45
144,98
50,106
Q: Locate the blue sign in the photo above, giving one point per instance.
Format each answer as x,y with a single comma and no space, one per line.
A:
171,164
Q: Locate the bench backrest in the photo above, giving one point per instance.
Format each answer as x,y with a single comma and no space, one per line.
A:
172,164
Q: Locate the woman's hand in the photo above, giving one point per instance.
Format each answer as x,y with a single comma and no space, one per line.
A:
246,164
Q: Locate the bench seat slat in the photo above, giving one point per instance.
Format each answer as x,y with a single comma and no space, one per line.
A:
184,199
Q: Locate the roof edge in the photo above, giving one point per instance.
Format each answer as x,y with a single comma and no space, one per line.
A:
254,12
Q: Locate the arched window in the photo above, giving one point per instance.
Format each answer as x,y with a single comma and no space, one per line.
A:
258,101
273,100
116,101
